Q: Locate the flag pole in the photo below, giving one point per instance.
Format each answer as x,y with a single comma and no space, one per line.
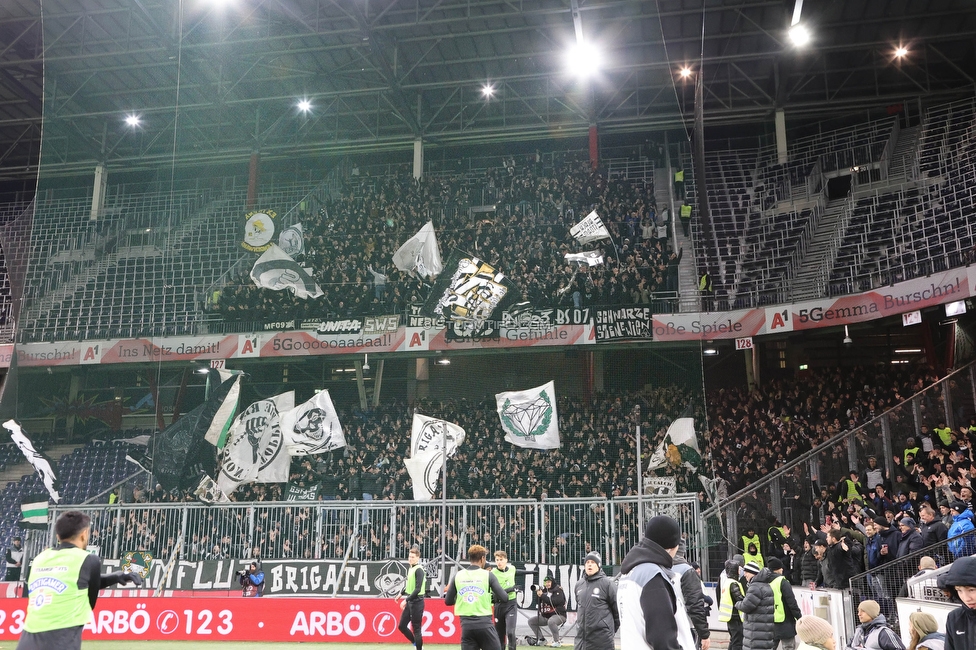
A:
444,512
640,475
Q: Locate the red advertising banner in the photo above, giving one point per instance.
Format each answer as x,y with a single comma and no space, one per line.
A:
347,620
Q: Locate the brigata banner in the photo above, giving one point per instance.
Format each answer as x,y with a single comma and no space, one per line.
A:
622,323
338,620
919,293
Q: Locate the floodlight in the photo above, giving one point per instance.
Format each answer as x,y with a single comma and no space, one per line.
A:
800,35
304,105
901,51
685,72
132,120
710,351
583,59
443,361
487,90
847,336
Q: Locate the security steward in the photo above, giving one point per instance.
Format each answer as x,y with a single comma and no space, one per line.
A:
786,611
64,583
471,592
732,590
413,602
506,614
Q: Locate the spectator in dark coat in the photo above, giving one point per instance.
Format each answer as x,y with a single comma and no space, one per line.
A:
785,630
759,627
838,563
932,529
961,622
809,566
910,540
596,606
694,597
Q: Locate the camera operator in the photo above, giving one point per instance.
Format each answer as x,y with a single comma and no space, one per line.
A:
552,610
252,580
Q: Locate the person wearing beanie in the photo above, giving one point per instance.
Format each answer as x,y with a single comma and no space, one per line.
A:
759,607
924,631
552,611
962,523
732,589
814,634
786,610
649,598
873,633
694,597
597,619
909,539
960,627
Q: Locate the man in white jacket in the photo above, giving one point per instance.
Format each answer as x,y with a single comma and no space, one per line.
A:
652,610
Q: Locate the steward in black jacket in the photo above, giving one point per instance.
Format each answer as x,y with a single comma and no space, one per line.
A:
596,607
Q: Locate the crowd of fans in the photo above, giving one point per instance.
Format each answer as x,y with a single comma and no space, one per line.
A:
351,237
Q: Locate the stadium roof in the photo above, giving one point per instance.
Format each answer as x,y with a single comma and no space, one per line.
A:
228,74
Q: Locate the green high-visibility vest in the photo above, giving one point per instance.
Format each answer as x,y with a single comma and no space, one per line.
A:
506,578
945,435
851,488
55,600
474,593
751,540
412,580
913,451
679,176
686,211
757,558
779,612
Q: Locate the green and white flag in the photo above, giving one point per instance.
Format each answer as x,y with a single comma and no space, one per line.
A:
219,427
529,417
33,511
679,447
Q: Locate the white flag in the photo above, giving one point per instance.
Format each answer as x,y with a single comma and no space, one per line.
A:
209,492
679,447
420,255
429,437
276,271
529,417
292,240
590,258
312,427
591,228
219,427
43,465
255,450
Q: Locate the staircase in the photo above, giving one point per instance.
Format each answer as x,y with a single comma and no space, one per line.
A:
903,157
811,277
687,273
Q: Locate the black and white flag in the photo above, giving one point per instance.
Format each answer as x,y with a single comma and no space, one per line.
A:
255,450
207,491
470,296
277,271
589,258
312,427
429,438
590,229
43,465
292,241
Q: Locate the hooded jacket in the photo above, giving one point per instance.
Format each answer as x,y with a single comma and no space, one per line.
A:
694,596
875,635
960,629
652,610
962,523
596,612
759,628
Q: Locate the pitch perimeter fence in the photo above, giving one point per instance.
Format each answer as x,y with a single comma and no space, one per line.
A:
555,532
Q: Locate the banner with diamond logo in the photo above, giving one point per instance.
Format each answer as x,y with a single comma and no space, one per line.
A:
529,417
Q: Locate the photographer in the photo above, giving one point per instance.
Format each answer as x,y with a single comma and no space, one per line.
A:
552,610
252,581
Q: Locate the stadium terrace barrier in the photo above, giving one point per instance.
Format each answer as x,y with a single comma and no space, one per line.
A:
554,532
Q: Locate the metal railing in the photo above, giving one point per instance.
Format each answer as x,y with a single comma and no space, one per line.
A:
559,531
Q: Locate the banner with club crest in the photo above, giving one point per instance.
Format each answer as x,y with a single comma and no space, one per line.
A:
529,417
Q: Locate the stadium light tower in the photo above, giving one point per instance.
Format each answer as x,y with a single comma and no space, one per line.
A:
488,90
132,120
304,105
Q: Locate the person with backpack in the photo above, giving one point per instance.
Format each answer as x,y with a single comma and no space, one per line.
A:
873,633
